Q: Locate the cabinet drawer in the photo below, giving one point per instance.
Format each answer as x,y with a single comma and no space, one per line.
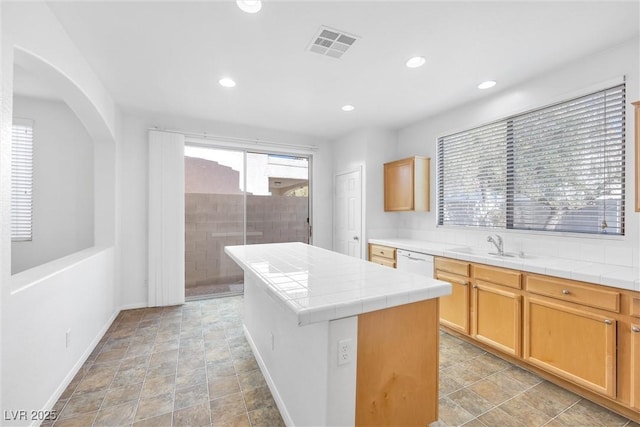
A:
499,276
383,251
568,290
383,261
452,266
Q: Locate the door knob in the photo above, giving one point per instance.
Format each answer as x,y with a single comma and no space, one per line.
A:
356,238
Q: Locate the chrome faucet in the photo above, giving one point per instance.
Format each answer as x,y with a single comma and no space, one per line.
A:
499,244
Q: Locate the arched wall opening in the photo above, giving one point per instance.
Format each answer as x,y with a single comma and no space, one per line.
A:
72,161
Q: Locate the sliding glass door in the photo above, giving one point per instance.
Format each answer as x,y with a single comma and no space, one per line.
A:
277,198
237,197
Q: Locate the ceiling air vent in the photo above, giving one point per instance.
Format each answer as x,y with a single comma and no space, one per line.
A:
330,42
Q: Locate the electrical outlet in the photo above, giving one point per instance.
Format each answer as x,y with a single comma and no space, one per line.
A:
345,354
67,338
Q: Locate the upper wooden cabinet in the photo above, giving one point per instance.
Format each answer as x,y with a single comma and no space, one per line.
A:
637,147
406,184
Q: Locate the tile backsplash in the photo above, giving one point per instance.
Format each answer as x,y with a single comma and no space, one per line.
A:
607,250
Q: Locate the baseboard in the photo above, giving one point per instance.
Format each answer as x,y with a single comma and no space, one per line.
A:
76,367
272,386
134,306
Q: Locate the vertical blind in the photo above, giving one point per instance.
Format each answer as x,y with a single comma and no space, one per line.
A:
21,180
558,168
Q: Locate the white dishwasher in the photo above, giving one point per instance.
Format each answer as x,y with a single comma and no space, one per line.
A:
415,262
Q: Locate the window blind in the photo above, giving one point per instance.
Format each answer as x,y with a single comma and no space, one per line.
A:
558,168
21,180
472,177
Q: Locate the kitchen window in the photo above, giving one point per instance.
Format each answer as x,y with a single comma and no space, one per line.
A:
21,180
558,168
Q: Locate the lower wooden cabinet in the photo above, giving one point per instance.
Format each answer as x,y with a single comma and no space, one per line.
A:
383,255
635,365
497,317
454,308
575,344
584,336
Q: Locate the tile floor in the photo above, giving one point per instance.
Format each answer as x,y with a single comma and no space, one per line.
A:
191,366
479,389
175,366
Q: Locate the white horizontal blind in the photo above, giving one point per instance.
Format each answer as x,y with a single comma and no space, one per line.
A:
21,180
568,167
473,177
559,168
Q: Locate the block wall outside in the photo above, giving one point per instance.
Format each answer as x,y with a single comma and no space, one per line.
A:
214,221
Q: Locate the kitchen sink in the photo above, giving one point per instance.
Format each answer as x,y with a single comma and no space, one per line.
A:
482,252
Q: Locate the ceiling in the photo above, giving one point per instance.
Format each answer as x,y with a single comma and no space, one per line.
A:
166,57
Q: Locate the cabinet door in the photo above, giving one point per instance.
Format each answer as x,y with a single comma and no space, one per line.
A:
635,365
497,314
398,185
577,345
454,308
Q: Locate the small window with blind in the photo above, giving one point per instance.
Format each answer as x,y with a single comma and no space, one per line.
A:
21,180
559,168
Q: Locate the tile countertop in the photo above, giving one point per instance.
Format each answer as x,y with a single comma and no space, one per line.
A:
319,285
603,274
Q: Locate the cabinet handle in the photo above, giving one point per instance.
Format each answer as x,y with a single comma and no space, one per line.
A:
635,329
475,286
465,283
565,292
608,322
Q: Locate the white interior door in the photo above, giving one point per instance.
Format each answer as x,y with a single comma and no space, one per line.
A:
347,216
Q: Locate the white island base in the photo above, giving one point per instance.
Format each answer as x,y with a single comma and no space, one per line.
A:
385,372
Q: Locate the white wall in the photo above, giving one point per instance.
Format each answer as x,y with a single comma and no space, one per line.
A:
77,297
133,172
75,292
62,184
556,85
296,357
372,148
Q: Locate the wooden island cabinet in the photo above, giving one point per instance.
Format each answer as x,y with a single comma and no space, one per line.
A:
583,336
356,347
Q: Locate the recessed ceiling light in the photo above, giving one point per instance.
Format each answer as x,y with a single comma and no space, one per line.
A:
249,6
415,62
348,108
487,84
226,82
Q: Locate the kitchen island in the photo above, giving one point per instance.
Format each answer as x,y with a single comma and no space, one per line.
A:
341,341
